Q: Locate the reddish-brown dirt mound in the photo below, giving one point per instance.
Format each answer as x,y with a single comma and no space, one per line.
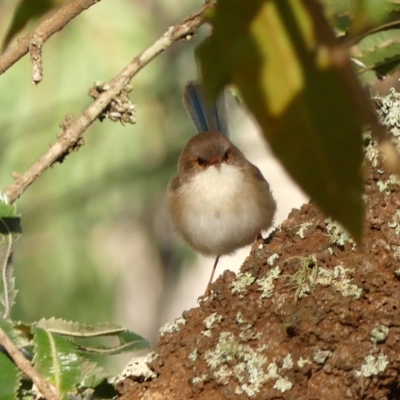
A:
312,315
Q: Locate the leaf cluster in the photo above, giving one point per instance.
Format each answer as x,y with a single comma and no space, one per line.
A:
298,79
58,349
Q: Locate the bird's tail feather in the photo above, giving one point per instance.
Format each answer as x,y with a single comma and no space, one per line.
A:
206,116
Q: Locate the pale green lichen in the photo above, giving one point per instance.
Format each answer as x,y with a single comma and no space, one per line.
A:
395,222
303,228
373,365
172,328
239,318
254,372
197,380
303,281
379,333
338,280
384,185
261,348
320,355
227,349
301,362
138,368
222,374
233,360
271,260
388,110
266,284
206,333
246,333
337,234
310,274
396,251
371,149
287,362
212,319
193,355
243,280
283,384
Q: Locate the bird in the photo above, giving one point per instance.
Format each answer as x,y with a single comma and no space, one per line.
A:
219,202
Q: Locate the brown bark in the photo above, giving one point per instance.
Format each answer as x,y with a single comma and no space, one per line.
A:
48,27
339,340
70,138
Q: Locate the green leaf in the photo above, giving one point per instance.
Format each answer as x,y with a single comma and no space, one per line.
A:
347,15
10,378
8,327
6,209
56,360
299,85
92,374
75,329
380,51
128,341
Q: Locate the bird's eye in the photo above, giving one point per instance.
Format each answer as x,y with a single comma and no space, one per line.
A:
226,155
200,162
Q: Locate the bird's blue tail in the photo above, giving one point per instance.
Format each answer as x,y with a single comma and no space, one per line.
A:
206,116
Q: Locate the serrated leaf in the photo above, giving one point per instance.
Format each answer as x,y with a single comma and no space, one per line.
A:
92,374
56,360
353,15
8,327
10,378
128,341
380,51
75,329
23,329
21,338
300,86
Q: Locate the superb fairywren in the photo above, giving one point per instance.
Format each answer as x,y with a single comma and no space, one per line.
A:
219,202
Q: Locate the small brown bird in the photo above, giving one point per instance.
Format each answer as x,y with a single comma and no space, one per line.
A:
219,202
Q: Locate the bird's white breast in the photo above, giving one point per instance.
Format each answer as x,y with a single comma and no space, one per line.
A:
217,211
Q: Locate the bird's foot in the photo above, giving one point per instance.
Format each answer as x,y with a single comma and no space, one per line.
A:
258,244
205,296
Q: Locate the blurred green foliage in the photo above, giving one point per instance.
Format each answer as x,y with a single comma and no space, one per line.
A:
119,174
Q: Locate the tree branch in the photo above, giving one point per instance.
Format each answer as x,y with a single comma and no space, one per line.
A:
70,138
46,29
26,367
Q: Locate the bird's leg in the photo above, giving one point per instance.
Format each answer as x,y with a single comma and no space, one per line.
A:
211,277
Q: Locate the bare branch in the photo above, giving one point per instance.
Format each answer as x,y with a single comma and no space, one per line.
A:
54,23
70,139
26,367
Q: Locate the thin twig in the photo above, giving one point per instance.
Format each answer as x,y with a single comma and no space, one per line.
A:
71,136
54,23
26,367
